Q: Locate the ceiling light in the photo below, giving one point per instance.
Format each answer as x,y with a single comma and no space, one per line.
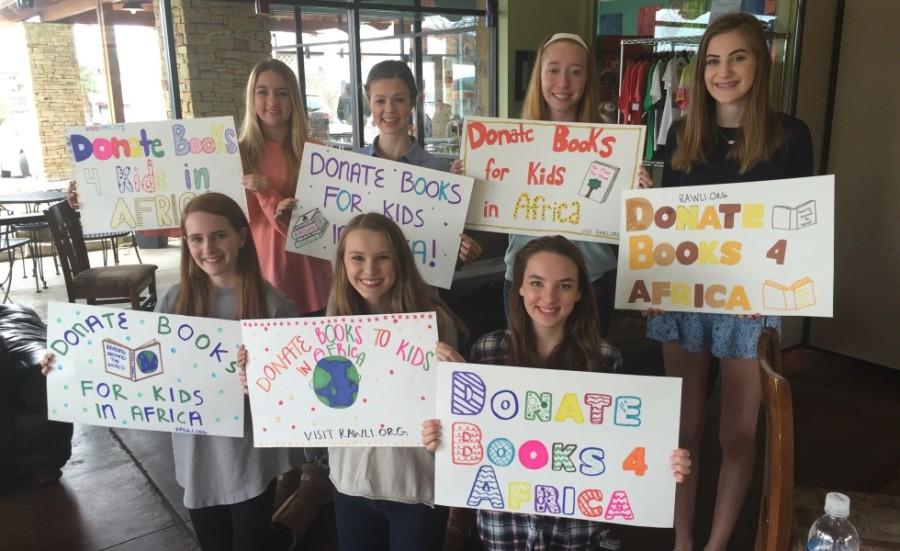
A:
133,6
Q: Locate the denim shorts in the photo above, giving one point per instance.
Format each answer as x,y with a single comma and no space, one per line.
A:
722,335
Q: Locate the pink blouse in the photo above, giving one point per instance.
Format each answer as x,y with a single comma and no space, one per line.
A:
304,279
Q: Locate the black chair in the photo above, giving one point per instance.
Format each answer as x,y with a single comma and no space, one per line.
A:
10,245
106,285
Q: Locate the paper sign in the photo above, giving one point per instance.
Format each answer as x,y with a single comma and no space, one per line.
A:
544,178
341,381
335,186
756,247
590,446
139,176
141,370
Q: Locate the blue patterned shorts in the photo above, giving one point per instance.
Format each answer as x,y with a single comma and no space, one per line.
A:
722,335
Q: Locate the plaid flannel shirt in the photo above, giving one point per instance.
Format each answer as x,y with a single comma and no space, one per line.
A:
501,531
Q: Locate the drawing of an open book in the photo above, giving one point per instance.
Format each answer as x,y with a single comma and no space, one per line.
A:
794,218
309,227
598,182
799,295
132,363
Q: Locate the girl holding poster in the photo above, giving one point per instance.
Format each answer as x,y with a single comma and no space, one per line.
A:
564,87
553,324
391,90
228,484
730,134
271,140
385,496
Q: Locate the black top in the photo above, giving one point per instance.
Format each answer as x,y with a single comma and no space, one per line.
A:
792,160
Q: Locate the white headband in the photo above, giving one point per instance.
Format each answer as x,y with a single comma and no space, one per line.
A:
566,36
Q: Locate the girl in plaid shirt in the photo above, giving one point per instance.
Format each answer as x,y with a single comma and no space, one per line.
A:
553,324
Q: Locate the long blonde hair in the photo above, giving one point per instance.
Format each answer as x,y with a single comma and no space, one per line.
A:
196,290
251,139
760,133
535,106
410,293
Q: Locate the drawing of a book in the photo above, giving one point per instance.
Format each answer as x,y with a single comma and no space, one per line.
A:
598,182
133,364
798,295
309,227
794,218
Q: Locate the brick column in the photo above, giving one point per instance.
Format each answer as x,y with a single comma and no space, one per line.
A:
216,45
56,87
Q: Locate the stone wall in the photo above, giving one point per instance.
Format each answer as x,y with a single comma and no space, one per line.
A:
216,46
58,97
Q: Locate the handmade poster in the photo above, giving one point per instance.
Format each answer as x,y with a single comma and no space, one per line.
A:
335,186
545,178
341,381
142,370
139,176
589,446
748,248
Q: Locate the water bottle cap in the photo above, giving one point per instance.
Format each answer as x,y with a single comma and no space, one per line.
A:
837,505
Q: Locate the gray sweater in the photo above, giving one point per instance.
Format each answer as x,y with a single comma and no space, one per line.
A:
218,470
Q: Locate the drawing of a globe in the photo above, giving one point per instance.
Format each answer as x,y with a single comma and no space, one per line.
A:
336,382
147,361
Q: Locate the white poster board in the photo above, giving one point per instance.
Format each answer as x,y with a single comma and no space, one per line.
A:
590,446
341,381
141,370
544,178
139,176
335,186
755,247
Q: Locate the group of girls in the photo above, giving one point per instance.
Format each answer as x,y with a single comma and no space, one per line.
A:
556,298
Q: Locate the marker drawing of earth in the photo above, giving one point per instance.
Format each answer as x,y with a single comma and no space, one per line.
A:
147,361
336,382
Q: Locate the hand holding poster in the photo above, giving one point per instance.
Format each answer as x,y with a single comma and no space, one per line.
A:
341,381
756,247
591,446
546,178
142,370
429,206
139,176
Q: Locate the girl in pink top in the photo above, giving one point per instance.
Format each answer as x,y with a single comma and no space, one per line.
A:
271,140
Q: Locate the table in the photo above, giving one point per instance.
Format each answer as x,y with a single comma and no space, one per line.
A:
34,221
32,199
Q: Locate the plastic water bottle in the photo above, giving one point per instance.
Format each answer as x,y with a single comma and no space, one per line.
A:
833,530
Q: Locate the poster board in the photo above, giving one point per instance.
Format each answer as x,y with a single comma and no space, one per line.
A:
744,248
590,446
139,176
544,178
335,186
142,370
341,381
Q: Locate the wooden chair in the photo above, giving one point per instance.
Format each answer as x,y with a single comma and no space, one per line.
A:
105,285
776,508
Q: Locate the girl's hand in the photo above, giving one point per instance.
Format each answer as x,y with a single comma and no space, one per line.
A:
754,317
284,209
653,312
680,462
456,166
431,434
447,353
644,179
242,367
72,194
469,249
255,182
45,363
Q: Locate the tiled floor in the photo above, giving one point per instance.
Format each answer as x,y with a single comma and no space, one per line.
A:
118,490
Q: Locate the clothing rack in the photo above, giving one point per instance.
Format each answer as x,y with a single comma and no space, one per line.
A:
674,41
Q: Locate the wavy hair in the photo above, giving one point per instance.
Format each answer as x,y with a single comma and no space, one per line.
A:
535,106
760,133
196,290
251,139
579,349
410,293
